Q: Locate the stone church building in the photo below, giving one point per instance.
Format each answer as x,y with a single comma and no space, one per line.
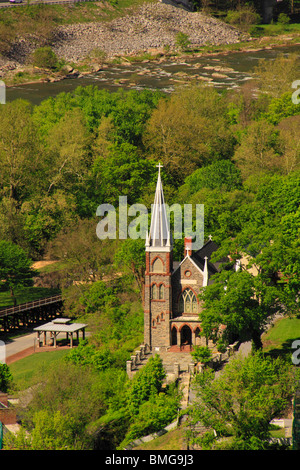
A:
171,304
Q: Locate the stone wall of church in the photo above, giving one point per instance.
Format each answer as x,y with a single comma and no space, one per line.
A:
187,275
158,310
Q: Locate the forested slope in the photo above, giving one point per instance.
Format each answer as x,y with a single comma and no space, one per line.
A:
235,152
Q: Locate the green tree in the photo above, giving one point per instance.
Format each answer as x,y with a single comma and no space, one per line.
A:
5,377
19,151
99,296
50,432
68,151
221,175
280,108
290,141
89,356
181,131
269,236
259,150
15,267
244,16
122,173
276,77
130,257
240,301
201,354
12,222
45,57
146,382
75,393
45,216
88,257
182,41
242,401
156,413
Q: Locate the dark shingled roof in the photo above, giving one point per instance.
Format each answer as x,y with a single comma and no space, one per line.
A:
207,250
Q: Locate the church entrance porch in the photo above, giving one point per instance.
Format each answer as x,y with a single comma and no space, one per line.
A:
187,348
184,335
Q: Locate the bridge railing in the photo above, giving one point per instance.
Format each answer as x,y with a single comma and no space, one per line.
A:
29,305
44,2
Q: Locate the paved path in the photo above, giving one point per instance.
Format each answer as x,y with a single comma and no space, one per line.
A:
19,344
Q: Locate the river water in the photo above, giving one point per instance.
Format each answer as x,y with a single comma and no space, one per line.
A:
224,71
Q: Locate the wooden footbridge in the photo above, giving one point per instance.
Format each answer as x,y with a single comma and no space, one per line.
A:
30,313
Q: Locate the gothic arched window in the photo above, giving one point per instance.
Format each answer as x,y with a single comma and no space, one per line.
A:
154,295
161,292
157,266
188,302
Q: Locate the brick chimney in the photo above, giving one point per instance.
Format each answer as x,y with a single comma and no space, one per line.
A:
188,246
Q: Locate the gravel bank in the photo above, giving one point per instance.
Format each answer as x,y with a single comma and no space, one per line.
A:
152,26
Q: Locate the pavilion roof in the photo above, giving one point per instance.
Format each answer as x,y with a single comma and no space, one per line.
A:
60,327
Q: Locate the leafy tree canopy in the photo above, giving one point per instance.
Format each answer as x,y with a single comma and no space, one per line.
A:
15,267
242,401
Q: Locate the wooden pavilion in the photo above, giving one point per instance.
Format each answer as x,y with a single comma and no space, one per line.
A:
57,326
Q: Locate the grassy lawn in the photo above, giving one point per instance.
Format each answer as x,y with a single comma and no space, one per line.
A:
26,294
278,340
81,12
169,441
30,370
278,29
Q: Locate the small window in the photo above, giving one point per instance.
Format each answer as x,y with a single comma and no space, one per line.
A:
161,292
154,292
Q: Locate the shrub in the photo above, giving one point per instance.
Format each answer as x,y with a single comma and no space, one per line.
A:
256,31
146,382
283,19
221,346
182,41
201,354
5,377
153,416
88,355
221,175
45,57
243,16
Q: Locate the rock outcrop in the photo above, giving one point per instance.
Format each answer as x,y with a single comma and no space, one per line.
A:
153,25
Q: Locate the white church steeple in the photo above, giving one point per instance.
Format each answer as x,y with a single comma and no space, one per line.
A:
159,237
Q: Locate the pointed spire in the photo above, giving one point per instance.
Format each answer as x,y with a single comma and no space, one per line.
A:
159,235
205,272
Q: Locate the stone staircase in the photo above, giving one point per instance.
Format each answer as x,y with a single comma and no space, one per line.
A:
170,358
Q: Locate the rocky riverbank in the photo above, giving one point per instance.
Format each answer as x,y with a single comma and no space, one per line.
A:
152,26
148,32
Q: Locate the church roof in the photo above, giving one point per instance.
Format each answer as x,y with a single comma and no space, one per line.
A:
160,234
206,251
